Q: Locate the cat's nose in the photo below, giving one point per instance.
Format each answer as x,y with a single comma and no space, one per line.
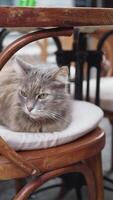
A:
30,107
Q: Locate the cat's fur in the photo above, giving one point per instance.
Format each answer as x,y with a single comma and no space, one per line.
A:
34,99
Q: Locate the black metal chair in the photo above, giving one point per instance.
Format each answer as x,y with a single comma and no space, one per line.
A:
79,55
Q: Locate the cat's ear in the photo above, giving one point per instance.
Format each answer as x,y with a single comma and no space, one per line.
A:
22,67
62,75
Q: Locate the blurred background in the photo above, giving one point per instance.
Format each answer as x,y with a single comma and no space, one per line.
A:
45,51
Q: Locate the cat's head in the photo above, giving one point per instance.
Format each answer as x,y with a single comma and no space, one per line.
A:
42,92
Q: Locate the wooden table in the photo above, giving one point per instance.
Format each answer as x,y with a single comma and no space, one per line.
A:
85,19
55,17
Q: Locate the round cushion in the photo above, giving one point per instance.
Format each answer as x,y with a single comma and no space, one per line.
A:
85,117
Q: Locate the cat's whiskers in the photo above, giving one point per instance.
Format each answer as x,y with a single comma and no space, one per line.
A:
57,116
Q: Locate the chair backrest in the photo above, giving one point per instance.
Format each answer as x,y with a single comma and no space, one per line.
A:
3,34
80,55
26,39
95,60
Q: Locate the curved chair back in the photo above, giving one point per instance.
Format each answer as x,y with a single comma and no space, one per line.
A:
31,37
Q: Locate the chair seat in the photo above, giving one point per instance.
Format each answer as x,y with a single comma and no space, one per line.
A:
106,92
56,157
85,117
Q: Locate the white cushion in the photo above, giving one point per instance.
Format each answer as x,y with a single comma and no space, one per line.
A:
85,117
106,92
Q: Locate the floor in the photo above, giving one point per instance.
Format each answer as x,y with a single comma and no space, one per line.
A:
7,187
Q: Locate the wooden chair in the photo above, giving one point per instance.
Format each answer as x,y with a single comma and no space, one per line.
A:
83,155
99,89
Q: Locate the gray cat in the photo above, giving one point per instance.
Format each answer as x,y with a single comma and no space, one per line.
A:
34,99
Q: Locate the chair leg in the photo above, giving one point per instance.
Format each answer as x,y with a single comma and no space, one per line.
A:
19,184
79,194
63,192
69,182
27,190
96,165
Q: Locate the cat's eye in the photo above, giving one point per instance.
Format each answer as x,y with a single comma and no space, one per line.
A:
43,95
23,93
